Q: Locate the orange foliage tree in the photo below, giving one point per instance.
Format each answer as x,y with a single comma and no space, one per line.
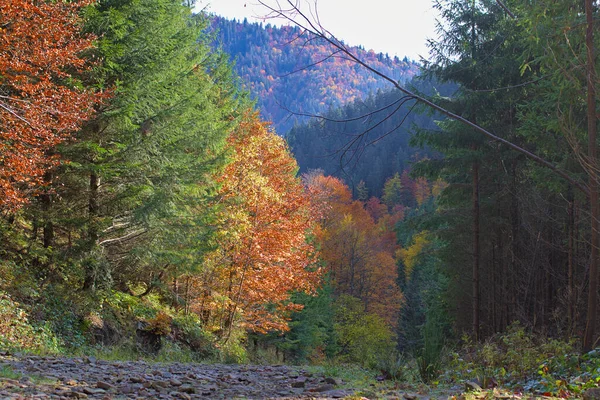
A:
360,254
40,101
263,254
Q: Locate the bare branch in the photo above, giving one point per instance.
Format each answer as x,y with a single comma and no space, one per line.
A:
363,116
332,55
129,236
294,15
505,8
7,108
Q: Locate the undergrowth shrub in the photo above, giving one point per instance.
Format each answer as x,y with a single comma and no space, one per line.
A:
17,332
188,329
521,359
362,338
429,357
399,367
232,349
61,315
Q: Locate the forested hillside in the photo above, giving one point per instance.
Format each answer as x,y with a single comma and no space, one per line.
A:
366,141
287,71
147,208
440,233
131,205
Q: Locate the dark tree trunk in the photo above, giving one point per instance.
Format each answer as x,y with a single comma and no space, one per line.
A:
592,306
93,213
48,230
570,256
476,250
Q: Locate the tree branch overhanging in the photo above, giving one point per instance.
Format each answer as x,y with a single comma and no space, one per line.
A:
505,8
292,13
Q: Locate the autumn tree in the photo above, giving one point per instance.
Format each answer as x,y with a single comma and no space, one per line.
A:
359,254
392,191
263,253
42,101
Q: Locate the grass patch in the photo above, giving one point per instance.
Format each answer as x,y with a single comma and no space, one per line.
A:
7,372
352,375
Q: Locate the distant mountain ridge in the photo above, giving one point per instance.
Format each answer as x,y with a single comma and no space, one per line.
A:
287,71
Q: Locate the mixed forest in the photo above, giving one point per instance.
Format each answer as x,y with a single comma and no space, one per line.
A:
177,186
291,76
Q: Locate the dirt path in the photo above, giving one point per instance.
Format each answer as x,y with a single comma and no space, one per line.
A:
68,378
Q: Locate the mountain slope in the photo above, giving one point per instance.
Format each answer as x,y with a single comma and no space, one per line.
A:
289,72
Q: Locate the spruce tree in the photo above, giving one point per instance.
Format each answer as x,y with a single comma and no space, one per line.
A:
141,174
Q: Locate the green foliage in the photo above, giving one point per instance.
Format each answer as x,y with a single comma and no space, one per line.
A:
434,339
363,338
313,141
425,322
188,330
139,308
353,375
567,372
400,367
523,360
312,337
60,313
18,332
232,349
7,372
170,351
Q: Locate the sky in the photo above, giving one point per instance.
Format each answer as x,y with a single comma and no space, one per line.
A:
396,27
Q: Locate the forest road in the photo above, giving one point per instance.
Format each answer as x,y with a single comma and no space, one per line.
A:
49,377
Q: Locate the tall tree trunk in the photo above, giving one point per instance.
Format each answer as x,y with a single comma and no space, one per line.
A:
570,256
475,168
93,212
476,250
46,206
511,311
93,208
590,329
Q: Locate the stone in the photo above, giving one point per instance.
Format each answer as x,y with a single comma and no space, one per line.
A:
337,394
77,395
93,391
299,383
592,394
322,388
333,381
187,389
127,389
175,382
471,386
104,385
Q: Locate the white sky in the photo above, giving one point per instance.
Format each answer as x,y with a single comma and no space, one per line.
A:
396,27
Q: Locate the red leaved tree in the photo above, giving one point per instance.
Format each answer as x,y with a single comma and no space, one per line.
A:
358,252
263,254
40,101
